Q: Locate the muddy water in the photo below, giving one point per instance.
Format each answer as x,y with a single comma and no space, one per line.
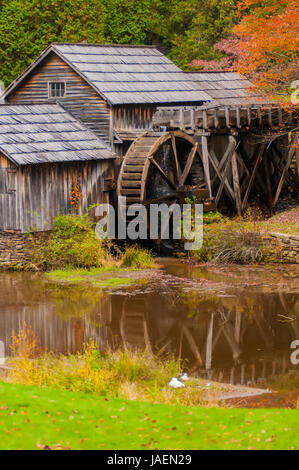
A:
230,324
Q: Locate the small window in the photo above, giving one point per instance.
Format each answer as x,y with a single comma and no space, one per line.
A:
57,90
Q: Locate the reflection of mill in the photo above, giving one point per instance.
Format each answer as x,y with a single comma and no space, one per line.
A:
220,344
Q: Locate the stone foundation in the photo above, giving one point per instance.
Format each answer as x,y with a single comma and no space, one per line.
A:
282,247
13,250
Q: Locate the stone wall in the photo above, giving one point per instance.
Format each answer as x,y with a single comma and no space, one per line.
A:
282,247
13,252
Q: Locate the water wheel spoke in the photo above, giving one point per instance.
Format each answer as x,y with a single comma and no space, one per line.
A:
176,159
162,173
188,166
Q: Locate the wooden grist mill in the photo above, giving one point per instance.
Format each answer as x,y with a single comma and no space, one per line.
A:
100,121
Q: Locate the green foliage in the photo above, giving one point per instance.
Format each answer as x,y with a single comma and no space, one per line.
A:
196,26
93,277
127,22
213,217
72,243
74,252
135,257
188,29
27,27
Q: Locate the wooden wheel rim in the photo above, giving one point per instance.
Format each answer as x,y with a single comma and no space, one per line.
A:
137,162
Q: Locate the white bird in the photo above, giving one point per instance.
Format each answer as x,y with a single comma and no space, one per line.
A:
184,377
175,383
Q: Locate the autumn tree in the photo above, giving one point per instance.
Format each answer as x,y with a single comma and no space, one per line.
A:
269,44
263,46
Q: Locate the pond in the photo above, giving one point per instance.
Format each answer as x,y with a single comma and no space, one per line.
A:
231,324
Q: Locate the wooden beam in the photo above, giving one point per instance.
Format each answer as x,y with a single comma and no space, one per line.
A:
268,179
162,173
231,149
236,183
177,163
188,165
258,182
253,175
231,146
286,167
205,156
214,162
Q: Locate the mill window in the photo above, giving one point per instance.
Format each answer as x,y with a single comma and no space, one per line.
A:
57,89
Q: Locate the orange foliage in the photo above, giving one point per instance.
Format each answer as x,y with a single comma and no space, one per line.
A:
269,40
75,195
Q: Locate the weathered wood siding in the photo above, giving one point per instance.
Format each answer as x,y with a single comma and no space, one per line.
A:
81,99
133,116
44,190
9,219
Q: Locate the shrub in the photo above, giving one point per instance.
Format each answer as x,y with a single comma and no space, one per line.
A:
72,243
136,257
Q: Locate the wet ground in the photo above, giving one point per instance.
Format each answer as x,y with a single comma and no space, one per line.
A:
231,324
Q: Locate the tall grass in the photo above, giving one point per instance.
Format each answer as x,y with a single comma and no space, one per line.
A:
232,241
136,257
129,374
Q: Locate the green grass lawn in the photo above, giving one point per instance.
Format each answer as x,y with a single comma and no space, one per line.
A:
35,418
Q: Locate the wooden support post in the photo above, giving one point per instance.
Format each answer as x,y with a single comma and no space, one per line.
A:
236,183
268,180
228,155
238,117
215,165
259,114
227,117
286,167
216,118
205,155
249,115
205,119
253,175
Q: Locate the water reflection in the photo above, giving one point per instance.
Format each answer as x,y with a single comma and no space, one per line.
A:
234,325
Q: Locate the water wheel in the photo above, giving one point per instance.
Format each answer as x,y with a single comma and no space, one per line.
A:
163,168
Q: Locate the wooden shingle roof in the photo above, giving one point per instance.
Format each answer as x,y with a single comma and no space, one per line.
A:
44,133
125,74
131,74
227,88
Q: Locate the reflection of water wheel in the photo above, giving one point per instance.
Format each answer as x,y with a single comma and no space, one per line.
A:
163,168
133,325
